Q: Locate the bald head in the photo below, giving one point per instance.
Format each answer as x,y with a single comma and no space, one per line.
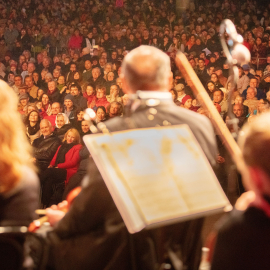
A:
146,68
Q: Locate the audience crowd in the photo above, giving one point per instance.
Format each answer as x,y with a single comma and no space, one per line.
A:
61,57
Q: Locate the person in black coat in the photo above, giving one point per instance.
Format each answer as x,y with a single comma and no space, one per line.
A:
53,92
45,146
62,125
92,235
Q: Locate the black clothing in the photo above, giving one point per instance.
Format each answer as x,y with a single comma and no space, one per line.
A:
50,178
44,150
98,236
80,102
61,155
60,132
33,130
99,81
243,241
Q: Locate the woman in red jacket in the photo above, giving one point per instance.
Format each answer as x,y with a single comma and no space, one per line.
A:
75,41
63,165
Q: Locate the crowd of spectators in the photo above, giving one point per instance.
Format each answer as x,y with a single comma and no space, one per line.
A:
61,57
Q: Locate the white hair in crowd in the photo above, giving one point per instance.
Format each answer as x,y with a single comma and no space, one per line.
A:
146,68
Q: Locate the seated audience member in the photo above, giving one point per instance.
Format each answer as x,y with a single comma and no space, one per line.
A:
69,108
61,83
85,130
243,81
180,89
218,98
23,101
19,187
97,78
62,125
46,108
63,165
53,92
243,236
263,106
87,73
78,99
174,97
17,83
240,100
251,100
222,79
187,103
76,122
246,69
101,99
115,109
210,88
45,146
32,88
238,111
265,82
76,179
89,94
101,114
214,79
253,83
56,108
114,94
32,123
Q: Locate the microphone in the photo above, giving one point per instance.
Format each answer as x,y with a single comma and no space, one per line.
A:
238,53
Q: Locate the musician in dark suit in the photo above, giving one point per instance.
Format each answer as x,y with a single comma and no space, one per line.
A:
92,234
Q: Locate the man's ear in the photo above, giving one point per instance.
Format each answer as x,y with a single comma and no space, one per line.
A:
170,81
125,86
256,175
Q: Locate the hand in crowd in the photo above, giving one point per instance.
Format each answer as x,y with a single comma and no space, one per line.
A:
56,212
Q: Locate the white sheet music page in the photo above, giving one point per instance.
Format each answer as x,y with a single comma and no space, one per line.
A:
161,174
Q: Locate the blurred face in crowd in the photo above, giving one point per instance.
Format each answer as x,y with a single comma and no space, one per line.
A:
238,110
51,86
70,137
89,90
88,65
45,62
253,83
95,73
72,67
84,126
24,66
56,108
56,73
201,64
251,93
68,103
60,121
18,81
45,100
80,116
31,68
33,117
119,82
29,82
217,97
110,76
238,100
188,103
74,91
24,102
45,128
76,76
211,87
114,109
61,80
100,93
214,78
114,90
100,114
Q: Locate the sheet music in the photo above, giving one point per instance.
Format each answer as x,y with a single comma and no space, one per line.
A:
164,171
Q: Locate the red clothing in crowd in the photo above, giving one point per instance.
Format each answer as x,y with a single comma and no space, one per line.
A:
51,118
71,163
89,98
75,42
102,102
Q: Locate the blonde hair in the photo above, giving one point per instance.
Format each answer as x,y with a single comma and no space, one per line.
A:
76,134
14,147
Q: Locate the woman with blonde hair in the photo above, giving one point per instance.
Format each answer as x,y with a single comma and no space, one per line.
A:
63,165
19,188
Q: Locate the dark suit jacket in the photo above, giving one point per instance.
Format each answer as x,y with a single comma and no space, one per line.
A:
92,235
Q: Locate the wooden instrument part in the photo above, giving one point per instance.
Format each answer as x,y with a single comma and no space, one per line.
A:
221,128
